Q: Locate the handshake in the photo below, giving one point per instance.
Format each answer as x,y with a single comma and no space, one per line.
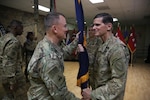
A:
86,94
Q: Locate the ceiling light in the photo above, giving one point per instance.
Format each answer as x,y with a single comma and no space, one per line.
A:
115,19
42,8
96,1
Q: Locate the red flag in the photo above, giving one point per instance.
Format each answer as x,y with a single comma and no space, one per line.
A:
120,35
132,40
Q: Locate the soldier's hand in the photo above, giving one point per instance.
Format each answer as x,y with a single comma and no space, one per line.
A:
77,35
86,94
80,48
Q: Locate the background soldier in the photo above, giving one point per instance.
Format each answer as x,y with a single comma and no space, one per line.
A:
92,44
13,80
29,47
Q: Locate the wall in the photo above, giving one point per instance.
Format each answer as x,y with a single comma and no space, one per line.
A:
142,37
7,14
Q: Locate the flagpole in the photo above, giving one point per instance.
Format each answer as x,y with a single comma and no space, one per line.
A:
52,6
36,17
131,60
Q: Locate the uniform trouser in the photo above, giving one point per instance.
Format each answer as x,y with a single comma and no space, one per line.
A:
9,93
26,73
20,90
28,57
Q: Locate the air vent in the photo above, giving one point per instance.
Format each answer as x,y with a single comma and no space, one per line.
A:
103,8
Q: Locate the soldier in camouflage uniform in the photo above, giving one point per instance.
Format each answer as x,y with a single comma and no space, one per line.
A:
92,44
29,47
46,66
110,63
13,80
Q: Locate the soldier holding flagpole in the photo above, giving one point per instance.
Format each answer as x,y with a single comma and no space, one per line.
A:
46,66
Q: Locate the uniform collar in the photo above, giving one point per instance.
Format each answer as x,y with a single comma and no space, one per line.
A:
55,47
104,46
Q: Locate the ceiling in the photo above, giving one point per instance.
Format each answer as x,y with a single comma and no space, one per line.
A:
127,11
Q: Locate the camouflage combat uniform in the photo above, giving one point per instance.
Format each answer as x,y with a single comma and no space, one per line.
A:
109,71
12,74
29,47
92,45
46,70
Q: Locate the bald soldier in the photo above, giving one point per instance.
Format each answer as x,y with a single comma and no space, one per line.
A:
46,66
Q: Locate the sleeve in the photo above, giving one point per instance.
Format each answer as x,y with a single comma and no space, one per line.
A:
115,87
10,60
55,81
10,57
70,48
19,76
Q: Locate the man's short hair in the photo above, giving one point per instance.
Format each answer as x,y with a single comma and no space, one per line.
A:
107,18
51,19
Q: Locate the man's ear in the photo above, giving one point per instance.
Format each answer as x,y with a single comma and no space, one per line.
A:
54,29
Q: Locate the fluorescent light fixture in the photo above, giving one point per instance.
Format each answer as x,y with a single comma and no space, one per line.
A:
115,19
96,1
42,8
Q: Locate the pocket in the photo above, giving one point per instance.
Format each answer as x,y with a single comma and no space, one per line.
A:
55,82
